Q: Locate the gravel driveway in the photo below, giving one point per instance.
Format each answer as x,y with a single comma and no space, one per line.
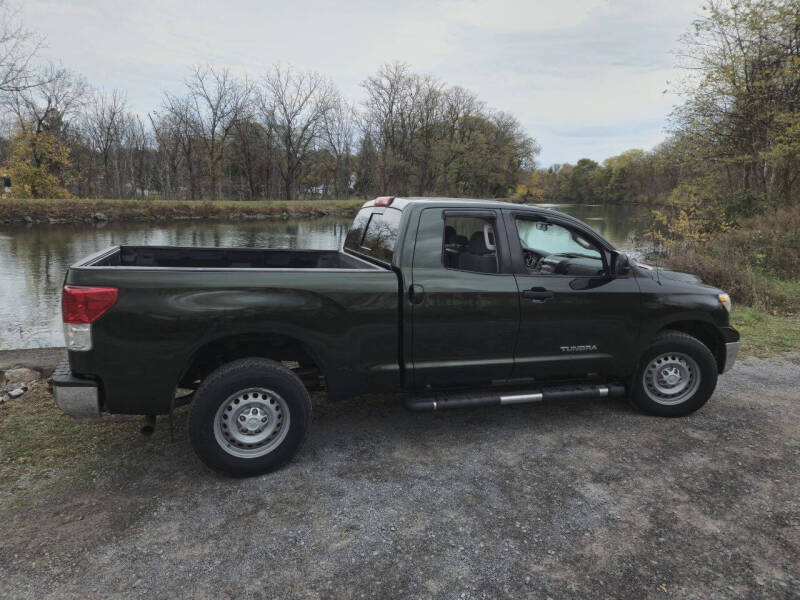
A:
569,500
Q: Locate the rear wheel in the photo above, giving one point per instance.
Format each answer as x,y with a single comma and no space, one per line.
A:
677,375
249,417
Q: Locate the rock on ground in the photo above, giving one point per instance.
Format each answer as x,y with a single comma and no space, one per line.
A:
20,375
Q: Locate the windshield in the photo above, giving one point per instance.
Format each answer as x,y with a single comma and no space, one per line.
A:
550,238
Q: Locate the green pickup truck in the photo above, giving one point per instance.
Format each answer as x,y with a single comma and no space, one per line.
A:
451,302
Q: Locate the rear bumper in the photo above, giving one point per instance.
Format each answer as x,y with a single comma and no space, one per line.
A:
76,396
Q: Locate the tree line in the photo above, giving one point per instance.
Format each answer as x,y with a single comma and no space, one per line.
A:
734,143
286,134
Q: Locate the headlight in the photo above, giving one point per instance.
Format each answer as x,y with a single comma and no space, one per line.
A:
725,300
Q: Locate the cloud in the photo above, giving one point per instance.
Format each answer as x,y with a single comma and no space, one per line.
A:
561,67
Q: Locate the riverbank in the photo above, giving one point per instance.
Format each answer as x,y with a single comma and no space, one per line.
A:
50,212
757,262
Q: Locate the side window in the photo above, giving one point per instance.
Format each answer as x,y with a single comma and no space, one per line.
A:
381,234
470,244
552,249
374,232
356,232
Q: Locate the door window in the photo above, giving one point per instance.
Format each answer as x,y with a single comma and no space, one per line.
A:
552,249
470,244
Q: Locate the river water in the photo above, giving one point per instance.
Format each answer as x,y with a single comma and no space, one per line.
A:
34,259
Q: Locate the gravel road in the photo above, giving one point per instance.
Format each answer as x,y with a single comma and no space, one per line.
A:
570,500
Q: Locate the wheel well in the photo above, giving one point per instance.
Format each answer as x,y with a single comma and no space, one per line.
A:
280,348
705,332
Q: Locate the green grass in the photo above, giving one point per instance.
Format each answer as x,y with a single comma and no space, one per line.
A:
35,436
789,288
41,448
765,334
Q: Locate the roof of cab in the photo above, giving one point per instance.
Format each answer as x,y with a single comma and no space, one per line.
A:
400,203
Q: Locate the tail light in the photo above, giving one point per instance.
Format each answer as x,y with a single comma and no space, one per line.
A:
80,307
383,200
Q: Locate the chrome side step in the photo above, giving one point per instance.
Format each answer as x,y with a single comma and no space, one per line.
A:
468,399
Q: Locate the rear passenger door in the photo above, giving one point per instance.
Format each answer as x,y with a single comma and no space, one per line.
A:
464,300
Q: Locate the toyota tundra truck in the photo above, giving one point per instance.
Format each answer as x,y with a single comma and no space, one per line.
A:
449,303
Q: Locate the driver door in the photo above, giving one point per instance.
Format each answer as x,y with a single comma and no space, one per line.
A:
575,317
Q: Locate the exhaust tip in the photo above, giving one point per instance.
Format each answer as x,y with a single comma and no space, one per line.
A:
149,427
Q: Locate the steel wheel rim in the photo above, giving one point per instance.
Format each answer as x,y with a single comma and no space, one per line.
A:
251,422
671,378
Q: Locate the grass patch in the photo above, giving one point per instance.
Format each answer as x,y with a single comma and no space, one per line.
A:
82,210
39,444
157,202
764,334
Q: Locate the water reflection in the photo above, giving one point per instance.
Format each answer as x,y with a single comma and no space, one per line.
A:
33,260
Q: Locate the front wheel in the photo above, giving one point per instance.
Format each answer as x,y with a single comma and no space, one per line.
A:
676,376
249,417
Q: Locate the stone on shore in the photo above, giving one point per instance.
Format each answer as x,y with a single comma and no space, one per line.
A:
20,375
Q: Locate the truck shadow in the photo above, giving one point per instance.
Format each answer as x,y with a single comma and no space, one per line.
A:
370,430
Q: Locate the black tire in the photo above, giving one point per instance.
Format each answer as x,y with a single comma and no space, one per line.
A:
242,379
682,345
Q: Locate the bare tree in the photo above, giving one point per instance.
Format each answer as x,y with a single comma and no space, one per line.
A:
294,104
183,128
167,131
103,126
339,129
57,96
215,102
136,150
17,48
398,106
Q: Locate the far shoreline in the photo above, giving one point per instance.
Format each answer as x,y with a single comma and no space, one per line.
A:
87,211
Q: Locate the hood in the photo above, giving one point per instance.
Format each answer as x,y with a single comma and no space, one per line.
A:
678,276
657,274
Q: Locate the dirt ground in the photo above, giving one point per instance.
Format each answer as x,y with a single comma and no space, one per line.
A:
564,500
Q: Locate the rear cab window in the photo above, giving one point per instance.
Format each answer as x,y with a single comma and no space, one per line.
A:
374,233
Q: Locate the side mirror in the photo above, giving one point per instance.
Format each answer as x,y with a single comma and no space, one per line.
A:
620,264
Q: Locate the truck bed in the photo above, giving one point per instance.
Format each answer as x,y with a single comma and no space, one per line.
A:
225,258
181,302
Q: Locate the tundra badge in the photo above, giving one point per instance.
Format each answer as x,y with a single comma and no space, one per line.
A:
587,348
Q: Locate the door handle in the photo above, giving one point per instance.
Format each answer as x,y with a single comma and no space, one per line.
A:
416,293
538,294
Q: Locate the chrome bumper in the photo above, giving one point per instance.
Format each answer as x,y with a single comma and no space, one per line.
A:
74,395
731,352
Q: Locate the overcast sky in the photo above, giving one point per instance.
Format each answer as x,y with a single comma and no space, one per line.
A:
585,77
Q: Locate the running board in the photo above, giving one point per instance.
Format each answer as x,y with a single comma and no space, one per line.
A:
467,399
